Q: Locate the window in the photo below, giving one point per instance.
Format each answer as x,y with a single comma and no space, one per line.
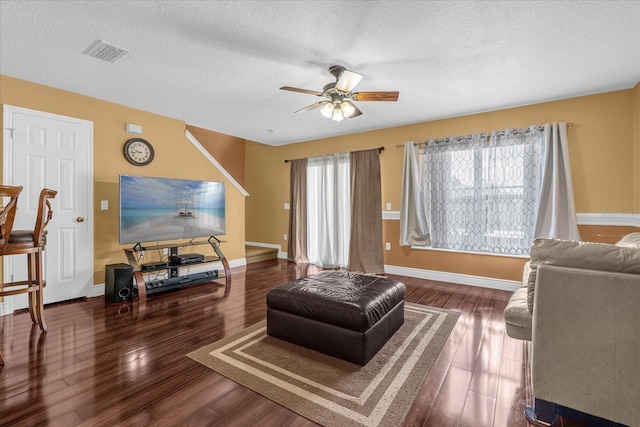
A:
328,210
481,192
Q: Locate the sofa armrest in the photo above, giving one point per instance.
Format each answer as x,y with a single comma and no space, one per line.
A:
586,341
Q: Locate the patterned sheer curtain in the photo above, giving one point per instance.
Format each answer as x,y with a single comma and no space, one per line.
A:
328,210
481,192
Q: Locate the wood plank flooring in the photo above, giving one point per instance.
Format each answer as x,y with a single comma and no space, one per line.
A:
124,364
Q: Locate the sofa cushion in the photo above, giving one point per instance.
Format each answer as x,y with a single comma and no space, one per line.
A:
568,253
631,240
517,318
526,272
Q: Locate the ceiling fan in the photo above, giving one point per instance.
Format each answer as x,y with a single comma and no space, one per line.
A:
339,103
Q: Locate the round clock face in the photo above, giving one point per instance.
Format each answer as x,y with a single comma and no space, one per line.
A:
138,151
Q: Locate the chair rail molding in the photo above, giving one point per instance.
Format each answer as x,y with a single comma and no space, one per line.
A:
615,219
606,218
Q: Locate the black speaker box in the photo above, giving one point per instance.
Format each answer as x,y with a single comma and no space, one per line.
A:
118,283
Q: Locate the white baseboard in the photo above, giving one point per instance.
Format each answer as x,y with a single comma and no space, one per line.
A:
240,262
463,279
96,291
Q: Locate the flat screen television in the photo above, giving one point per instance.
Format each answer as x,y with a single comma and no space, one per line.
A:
158,209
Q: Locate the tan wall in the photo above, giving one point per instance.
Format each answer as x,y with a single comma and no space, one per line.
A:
602,144
175,157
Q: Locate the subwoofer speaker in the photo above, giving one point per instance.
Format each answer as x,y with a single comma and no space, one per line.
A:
118,282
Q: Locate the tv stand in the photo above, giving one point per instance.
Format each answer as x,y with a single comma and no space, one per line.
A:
173,280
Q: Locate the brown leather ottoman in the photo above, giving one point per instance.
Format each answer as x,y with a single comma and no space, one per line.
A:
342,314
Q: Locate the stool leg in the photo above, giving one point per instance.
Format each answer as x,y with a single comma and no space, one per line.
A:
31,282
1,359
39,292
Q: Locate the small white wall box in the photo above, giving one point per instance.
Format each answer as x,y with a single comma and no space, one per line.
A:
131,128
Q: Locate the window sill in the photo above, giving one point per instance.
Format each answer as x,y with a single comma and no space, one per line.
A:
427,248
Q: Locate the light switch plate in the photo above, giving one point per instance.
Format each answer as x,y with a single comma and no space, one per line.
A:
104,205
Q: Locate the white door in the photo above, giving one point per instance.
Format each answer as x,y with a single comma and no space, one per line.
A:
48,150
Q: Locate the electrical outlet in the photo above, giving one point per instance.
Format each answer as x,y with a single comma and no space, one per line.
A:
388,206
165,251
387,246
285,237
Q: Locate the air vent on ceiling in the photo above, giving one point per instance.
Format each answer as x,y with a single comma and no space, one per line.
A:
105,51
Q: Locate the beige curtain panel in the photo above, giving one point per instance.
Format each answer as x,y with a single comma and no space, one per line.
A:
365,247
297,246
556,217
414,228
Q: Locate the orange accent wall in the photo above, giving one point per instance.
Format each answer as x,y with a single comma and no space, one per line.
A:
499,267
226,149
175,157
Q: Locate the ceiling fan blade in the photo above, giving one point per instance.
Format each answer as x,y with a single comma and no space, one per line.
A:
296,89
311,107
375,96
348,80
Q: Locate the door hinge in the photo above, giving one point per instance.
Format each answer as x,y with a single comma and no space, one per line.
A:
10,133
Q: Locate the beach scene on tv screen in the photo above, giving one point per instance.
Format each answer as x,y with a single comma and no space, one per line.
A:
157,209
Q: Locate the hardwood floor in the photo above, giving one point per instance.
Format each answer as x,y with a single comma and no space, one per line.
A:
123,364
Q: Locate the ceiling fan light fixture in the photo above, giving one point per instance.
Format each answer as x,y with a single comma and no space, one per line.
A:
347,108
327,110
337,114
339,96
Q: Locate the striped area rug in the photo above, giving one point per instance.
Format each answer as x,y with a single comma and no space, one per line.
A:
330,391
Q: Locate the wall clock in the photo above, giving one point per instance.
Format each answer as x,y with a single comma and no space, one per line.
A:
138,151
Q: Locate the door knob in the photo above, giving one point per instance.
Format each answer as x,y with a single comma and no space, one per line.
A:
80,219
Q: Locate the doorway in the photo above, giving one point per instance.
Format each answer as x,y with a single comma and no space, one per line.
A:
48,150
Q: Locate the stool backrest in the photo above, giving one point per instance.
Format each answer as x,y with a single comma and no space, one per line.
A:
45,213
8,214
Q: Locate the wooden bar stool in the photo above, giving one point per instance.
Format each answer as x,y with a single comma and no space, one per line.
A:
7,217
31,243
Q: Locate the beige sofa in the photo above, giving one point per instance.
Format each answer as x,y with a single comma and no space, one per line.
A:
579,305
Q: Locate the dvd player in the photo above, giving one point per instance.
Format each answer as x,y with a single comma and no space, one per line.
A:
181,259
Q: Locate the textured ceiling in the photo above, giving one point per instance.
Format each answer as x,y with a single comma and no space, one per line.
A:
219,64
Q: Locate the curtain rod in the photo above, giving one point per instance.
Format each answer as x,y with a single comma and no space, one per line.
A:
482,135
380,150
